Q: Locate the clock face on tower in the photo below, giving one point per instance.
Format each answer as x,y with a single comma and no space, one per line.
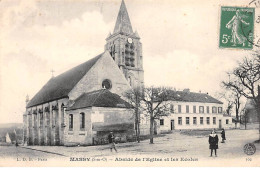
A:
129,40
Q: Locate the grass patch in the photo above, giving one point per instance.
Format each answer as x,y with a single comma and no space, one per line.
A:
198,132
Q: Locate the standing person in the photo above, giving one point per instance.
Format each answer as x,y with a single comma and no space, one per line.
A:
213,142
223,136
111,140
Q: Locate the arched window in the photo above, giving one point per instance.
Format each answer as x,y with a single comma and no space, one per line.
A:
82,121
62,115
71,122
130,80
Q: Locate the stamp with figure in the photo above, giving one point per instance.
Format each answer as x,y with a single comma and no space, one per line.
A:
236,27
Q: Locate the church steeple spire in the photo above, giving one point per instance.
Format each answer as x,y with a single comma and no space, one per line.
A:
123,24
125,48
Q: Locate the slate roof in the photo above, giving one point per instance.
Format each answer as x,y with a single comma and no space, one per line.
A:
99,98
186,96
59,87
123,23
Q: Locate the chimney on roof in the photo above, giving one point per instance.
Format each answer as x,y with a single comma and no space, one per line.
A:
187,90
199,91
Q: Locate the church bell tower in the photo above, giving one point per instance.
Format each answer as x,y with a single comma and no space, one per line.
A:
126,49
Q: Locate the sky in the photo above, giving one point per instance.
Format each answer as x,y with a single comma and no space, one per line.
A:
180,43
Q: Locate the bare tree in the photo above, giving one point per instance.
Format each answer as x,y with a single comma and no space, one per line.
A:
134,97
244,116
237,103
155,105
245,80
228,96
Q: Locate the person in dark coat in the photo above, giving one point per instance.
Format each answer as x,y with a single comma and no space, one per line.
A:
213,142
223,136
111,140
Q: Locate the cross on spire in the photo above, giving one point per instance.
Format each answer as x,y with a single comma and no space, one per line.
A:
123,23
52,73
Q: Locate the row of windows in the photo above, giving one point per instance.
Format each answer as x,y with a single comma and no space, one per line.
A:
81,119
201,109
194,120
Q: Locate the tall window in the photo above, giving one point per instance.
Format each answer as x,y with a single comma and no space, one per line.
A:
227,121
201,120
187,120
214,110
130,80
70,122
220,110
41,119
208,120
82,121
54,120
130,54
208,109
179,108
194,120
180,120
194,109
187,109
161,122
201,109
172,108
214,120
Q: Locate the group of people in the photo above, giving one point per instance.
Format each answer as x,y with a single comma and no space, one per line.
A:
213,141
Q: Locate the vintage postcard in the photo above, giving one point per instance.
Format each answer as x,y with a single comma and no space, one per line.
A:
114,83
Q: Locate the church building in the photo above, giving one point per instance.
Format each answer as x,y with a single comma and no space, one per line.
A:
82,105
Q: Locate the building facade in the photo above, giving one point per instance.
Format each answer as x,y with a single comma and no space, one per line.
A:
82,105
189,110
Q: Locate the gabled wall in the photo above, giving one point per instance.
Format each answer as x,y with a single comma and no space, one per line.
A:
105,68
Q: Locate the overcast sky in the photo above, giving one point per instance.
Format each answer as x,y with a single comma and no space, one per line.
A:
180,43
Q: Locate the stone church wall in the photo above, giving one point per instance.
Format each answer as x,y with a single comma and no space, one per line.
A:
44,124
105,68
78,136
98,121
118,120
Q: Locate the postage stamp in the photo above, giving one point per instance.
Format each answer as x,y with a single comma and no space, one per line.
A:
236,27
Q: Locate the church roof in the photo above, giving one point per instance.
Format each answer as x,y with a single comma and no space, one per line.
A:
99,98
123,24
186,96
59,87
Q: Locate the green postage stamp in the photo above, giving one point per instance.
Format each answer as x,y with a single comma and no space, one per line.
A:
237,27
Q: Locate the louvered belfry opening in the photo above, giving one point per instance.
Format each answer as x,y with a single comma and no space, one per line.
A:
129,55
